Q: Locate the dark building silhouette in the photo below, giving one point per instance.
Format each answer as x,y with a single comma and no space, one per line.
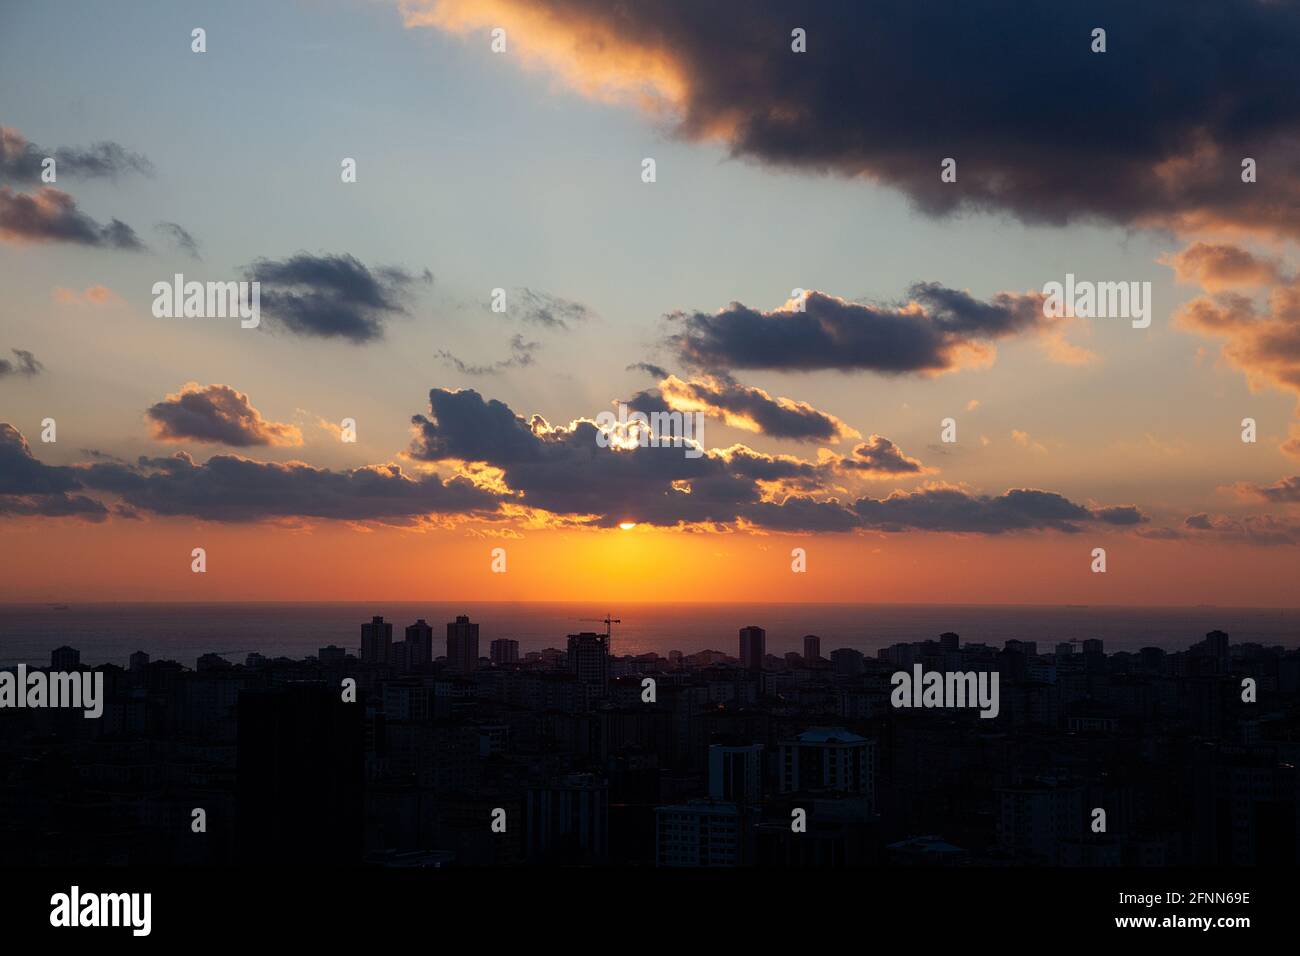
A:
376,642
65,659
753,646
812,648
504,651
462,646
299,776
589,659
419,644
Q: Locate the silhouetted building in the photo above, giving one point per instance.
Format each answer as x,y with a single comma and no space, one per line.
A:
846,662
812,648
65,659
376,642
331,654
419,644
753,647
700,833
567,821
828,758
736,773
504,651
139,661
589,659
462,646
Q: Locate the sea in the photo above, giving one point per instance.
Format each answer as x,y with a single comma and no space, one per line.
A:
110,633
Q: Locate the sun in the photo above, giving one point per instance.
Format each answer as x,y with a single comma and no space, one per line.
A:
627,525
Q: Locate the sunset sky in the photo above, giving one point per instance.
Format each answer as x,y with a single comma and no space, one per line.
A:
775,171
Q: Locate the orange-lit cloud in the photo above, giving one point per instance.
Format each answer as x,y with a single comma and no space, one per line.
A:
216,414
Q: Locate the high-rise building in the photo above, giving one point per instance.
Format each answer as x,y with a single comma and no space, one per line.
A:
828,758
847,662
1093,645
736,773
753,647
376,642
504,651
139,661
589,658
948,641
419,640
812,648
462,646
700,833
65,659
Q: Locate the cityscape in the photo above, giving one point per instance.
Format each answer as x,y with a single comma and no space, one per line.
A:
415,750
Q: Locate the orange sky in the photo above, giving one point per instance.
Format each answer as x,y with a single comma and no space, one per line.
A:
139,561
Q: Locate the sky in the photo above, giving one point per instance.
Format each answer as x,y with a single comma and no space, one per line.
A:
800,271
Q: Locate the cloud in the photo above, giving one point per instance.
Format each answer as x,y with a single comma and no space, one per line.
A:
562,470
1219,266
179,237
216,414
51,215
546,310
947,508
91,295
1168,111
29,488
231,489
745,407
26,364
329,296
936,330
20,160
1282,491
521,356
1250,529
1263,343
878,457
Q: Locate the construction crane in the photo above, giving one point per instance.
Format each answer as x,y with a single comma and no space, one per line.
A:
607,620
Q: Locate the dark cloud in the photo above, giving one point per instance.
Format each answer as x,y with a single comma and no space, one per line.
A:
745,407
546,310
20,160
30,488
1250,529
179,237
938,330
329,296
521,356
654,370
51,215
878,457
1282,491
956,510
562,469
227,488
25,364
1152,131
217,414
